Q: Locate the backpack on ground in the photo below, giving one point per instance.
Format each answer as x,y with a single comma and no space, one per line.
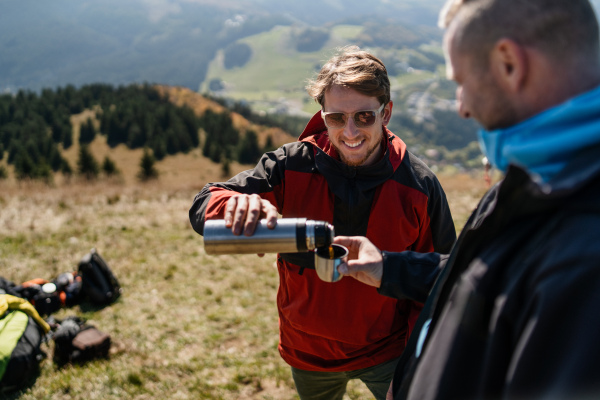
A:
50,296
22,332
78,342
99,284
44,300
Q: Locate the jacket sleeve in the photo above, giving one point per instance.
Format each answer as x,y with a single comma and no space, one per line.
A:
437,231
266,180
441,223
410,275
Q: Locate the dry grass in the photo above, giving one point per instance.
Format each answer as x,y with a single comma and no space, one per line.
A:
463,192
188,326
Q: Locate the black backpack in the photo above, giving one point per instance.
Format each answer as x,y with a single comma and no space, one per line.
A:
99,284
48,296
24,356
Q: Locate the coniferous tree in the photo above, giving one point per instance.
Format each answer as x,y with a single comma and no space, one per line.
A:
221,135
87,166
3,172
147,169
159,148
54,158
67,137
43,172
65,168
24,166
249,151
109,167
87,132
225,168
269,146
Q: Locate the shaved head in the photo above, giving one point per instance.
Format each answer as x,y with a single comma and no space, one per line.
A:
566,31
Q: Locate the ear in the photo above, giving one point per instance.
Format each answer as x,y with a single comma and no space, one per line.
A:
387,112
508,62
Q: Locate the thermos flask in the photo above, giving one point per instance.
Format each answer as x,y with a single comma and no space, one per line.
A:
290,235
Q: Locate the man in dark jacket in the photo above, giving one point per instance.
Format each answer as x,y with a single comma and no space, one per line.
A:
514,313
348,169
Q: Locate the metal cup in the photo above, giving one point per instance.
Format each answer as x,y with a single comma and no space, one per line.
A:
327,268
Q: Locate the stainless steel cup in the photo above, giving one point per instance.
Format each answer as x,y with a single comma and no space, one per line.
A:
327,268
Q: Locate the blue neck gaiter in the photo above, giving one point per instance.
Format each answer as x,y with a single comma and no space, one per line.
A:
545,143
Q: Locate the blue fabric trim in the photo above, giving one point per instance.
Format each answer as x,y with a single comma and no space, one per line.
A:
545,143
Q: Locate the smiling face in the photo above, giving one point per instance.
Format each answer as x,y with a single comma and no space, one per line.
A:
356,146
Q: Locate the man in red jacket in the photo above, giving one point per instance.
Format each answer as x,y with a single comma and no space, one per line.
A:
348,169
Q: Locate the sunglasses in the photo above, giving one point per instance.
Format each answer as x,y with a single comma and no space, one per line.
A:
362,119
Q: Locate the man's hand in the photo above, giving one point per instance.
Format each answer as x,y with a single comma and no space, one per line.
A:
390,393
244,211
365,262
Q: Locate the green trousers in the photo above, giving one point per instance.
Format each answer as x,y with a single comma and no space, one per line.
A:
316,385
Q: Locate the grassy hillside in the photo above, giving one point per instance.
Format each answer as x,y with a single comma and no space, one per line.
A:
61,42
188,325
276,73
127,161
274,77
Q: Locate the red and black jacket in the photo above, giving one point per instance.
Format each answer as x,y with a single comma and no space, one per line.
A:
397,203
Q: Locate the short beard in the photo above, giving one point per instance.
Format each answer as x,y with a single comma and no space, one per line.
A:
361,161
502,113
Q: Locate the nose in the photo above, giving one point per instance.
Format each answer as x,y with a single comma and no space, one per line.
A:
461,108
350,130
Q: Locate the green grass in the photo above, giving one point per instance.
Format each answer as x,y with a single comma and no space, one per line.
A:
277,74
188,325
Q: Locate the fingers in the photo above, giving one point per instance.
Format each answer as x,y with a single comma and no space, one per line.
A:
365,262
237,213
352,243
390,393
229,210
269,212
254,208
243,212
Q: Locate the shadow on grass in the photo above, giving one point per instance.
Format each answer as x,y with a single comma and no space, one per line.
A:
13,393
91,307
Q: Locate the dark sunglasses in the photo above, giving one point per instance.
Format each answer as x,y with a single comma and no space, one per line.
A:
362,119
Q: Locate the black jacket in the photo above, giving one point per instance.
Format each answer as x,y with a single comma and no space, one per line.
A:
515,313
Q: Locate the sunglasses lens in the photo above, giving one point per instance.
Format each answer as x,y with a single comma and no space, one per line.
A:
363,119
335,120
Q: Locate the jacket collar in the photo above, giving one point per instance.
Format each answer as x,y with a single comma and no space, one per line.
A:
522,194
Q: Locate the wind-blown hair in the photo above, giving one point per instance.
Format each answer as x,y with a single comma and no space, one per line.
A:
354,69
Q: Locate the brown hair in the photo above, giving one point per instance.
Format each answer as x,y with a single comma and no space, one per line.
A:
564,30
354,69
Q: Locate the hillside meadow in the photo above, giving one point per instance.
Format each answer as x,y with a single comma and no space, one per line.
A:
188,325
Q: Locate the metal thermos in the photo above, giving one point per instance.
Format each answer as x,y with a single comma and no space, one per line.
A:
290,235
